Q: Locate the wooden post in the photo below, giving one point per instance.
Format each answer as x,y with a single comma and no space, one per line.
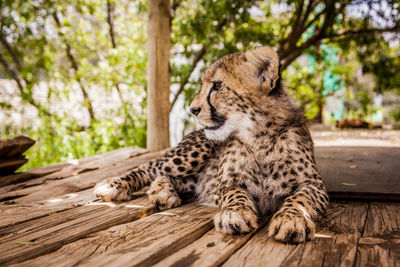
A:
158,80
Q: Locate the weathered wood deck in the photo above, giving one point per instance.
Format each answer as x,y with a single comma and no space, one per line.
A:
50,218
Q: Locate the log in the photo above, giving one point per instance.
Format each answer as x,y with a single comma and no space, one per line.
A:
10,165
158,80
14,147
31,174
11,150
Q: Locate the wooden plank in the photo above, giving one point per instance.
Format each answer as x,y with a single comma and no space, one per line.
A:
74,167
335,243
28,175
380,242
383,219
16,146
15,190
38,201
57,213
13,214
212,249
68,227
139,243
53,186
93,162
353,170
9,165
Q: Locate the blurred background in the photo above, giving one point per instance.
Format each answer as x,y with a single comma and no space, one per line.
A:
73,73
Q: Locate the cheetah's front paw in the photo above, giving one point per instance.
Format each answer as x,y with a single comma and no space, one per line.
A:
163,196
235,222
112,189
291,228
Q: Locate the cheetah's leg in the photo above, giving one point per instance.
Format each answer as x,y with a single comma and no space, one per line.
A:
181,162
120,188
294,222
162,193
238,213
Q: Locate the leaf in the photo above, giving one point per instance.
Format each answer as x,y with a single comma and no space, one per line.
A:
26,243
348,184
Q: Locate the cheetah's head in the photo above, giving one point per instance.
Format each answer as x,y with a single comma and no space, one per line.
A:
230,87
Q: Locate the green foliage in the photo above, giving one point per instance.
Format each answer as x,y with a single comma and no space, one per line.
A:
395,114
73,57
226,26
70,47
57,142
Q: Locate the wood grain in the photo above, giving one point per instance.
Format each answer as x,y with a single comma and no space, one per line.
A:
380,242
70,226
63,170
335,243
50,218
11,157
31,174
14,147
14,214
211,249
60,191
158,79
53,185
138,243
360,171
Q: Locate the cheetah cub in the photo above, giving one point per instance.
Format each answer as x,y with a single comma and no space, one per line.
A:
253,158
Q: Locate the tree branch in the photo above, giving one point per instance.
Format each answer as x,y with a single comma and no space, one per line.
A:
316,17
110,9
295,32
199,55
12,74
10,50
363,31
24,96
174,6
320,35
74,65
311,6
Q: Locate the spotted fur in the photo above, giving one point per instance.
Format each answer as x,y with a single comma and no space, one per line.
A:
253,158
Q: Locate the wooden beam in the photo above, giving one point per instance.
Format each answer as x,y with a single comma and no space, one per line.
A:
158,80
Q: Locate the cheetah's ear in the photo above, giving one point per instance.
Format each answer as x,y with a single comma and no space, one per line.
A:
266,63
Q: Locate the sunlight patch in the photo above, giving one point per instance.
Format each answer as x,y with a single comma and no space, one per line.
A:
134,206
55,200
166,213
108,204
322,235
73,162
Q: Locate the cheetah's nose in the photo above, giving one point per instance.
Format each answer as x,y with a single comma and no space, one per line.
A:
195,110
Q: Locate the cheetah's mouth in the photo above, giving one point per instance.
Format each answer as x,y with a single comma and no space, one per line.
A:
213,128
218,119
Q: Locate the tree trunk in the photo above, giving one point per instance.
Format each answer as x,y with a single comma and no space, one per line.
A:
158,80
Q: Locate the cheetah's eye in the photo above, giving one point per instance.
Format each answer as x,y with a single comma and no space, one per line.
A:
217,85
